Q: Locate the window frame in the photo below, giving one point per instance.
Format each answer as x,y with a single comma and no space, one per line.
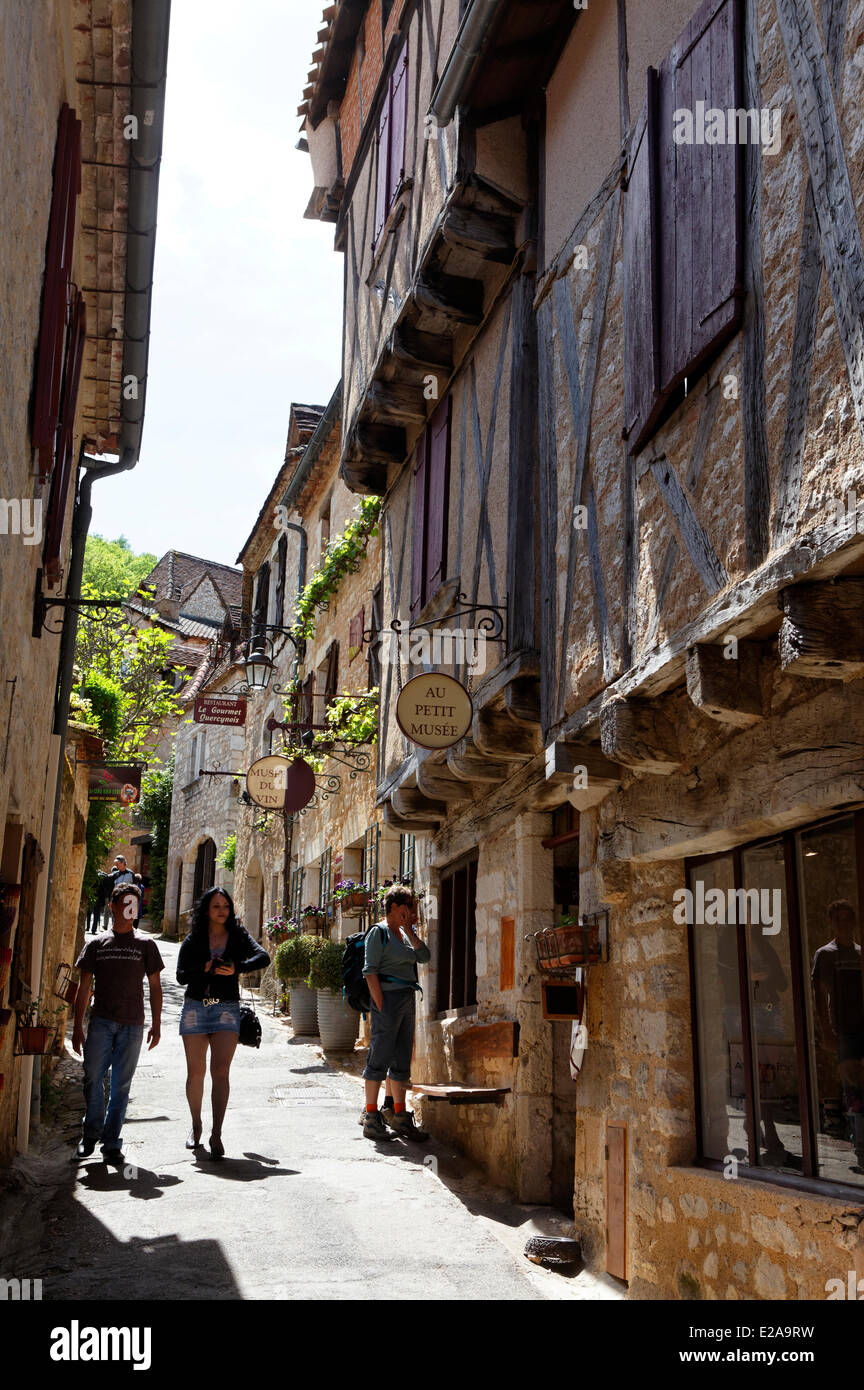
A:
431,470
387,185
809,1180
464,1002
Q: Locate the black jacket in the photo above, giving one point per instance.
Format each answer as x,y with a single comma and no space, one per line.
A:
241,950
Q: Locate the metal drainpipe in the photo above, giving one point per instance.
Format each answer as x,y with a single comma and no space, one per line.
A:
470,39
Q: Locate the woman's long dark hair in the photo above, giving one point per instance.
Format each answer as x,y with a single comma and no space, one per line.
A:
201,913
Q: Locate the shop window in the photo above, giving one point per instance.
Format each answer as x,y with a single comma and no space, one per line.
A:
407,857
779,1003
457,931
431,503
205,869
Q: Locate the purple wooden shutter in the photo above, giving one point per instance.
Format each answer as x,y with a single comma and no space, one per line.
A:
55,293
438,495
398,122
65,460
383,176
331,688
418,540
700,195
641,299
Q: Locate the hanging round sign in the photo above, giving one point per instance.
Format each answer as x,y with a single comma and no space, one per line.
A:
279,784
434,710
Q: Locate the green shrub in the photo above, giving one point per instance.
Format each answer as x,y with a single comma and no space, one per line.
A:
325,971
293,957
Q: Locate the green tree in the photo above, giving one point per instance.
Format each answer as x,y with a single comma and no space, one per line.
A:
154,808
112,567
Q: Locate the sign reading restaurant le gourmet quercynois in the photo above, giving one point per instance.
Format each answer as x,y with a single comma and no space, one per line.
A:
434,710
219,709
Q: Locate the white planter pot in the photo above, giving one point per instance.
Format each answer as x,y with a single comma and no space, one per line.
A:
338,1023
304,1008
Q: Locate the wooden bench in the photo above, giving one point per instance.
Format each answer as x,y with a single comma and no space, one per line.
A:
464,1095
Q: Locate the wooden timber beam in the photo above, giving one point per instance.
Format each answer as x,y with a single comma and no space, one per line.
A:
457,298
398,402
583,771
486,235
522,700
726,688
411,804
822,633
638,736
467,764
502,738
413,825
368,478
426,352
378,444
437,782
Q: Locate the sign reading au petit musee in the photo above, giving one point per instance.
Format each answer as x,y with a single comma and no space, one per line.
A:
434,710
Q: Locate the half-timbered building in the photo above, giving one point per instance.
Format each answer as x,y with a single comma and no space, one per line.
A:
603,361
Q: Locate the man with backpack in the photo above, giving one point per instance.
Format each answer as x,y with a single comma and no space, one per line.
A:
392,951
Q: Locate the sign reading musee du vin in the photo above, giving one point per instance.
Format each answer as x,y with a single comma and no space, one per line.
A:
434,710
219,709
278,784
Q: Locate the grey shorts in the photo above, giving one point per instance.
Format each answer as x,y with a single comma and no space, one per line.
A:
391,1037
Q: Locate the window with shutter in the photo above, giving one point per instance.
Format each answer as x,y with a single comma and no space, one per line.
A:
431,499
355,634
683,219
398,118
700,192
262,599
331,688
418,553
56,291
65,462
438,487
281,563
374,659
382,186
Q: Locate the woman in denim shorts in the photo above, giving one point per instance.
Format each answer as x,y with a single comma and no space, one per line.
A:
211,959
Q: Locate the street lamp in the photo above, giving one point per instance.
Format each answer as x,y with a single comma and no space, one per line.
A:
259,669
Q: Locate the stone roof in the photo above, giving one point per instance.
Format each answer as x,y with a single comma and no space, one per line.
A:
331,59
178,573
303,421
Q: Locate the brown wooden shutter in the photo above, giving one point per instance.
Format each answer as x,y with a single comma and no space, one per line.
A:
65,460
418,541
331,688
398,123
382,186
262,600
641,298
700,196
281,564
55,293
306,699
355,634
374,665
616,1200
438,493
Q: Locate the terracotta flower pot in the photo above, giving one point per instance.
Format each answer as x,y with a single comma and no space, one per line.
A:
304,1010
338,1023
35,1039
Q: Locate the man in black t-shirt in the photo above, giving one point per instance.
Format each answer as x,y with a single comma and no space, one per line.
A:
838,995
115,964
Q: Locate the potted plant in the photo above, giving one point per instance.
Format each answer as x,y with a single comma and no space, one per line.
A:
314,918
338,1023
36,1029
384,888
278,928
65,984
292,963
352,897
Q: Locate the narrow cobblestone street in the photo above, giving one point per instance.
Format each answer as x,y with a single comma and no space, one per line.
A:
302,1207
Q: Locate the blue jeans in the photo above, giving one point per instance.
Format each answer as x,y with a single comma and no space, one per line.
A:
114,1047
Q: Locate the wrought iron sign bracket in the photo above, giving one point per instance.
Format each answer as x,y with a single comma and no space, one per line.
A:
492,623
98,608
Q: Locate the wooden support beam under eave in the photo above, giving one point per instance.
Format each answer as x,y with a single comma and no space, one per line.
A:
581,773
437,782
502,738
488,236
468,765
724,687
397,402
410,803
455,297
639,736
822,632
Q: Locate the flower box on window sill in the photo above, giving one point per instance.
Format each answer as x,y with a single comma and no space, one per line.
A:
353,904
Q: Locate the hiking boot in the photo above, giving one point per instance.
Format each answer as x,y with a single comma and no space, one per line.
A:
374,1126
406,1126
387,1107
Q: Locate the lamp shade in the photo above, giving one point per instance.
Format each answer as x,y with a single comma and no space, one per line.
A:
259,668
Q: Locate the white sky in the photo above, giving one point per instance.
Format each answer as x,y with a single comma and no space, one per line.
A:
247,302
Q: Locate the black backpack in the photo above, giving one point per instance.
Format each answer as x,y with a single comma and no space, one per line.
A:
355,990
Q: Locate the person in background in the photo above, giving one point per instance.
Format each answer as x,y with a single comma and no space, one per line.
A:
838,998
119,874
115,963
217,951
102,892
393,951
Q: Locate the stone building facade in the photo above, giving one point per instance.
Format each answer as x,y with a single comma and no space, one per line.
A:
71,340
604,368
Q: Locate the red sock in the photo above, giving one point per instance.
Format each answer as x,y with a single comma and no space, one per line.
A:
398,1108
371,1109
